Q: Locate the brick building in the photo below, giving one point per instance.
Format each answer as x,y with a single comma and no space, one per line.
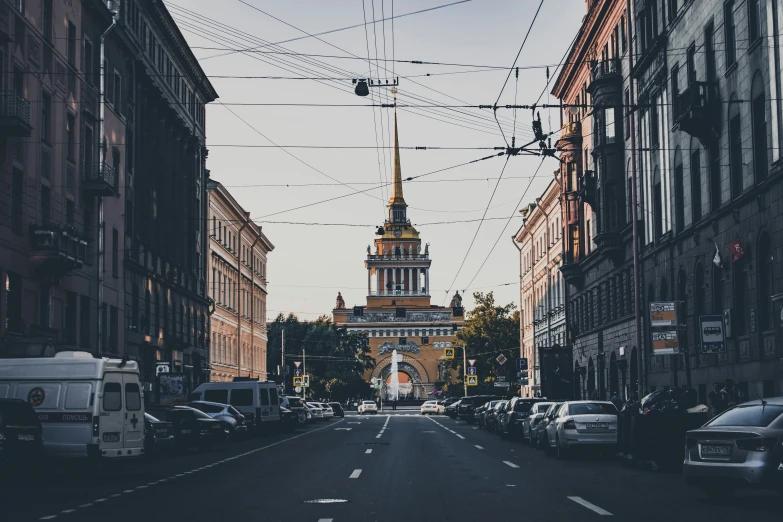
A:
542,287
237,283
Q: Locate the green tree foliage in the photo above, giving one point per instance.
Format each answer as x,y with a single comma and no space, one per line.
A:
336,358
489,330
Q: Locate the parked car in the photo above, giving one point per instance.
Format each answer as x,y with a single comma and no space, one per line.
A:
480,413
429,408
452,409
468,405
158,435
328,411
516,413
21,434
541,440
532,420
256,400
741,447
316,411
230,416
337,408
491,420
296,405
441,407
289,420
192,428
368,407
582,423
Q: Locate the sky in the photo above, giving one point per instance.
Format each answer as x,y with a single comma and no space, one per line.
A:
251,153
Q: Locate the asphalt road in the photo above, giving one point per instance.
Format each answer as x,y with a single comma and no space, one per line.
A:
399,466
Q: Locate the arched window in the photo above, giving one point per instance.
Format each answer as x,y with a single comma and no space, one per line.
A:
765,282
759,113
696,206
679,191
735,147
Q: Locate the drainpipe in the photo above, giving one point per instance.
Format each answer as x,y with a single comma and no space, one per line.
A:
101,165
253,310
634,210
237,254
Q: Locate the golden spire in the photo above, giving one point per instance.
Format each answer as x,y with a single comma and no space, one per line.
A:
396,198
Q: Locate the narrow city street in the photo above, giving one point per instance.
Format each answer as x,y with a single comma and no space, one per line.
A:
392,466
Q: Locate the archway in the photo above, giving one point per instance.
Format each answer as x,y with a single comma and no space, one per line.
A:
590,379
405,385
614,370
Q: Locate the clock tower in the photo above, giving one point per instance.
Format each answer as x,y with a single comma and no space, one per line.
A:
398,314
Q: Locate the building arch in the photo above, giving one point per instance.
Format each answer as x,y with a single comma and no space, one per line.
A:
408,364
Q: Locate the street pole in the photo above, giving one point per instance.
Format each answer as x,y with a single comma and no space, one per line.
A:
282,360
465,371
304,372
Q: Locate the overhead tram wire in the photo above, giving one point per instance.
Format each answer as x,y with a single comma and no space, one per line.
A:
381,176
425,112
337,47
529,29
345,28
380,95
384,90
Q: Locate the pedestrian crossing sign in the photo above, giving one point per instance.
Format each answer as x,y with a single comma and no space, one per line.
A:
298,380
472,380
448,353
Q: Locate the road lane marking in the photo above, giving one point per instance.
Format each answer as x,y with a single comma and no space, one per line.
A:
356,473
378,436
343,429
88,504
479,447
100,500
48,518
510,464
367,452
66,511
460,436
590,506
325,519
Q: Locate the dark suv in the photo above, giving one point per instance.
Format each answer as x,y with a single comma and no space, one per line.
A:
518,409
21,435
468,405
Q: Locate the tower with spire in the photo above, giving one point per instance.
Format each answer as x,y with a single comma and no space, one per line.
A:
398,314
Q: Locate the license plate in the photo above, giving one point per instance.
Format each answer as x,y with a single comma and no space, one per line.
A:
716,451
111,437
185,432
28,438
603,425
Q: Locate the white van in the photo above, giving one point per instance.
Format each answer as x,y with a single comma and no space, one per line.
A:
87,406
256,400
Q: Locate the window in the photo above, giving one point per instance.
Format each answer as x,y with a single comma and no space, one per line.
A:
47,20
654,122
263,395
735,149
70,137
696,206
46,116
89,152
113,325
89,60
627,113
658,209
729,26
717,291
765,283
219,396
71,51
754,20
84,321
609,121
19,4
46,204
623,33
77,396
760,156
112,396
709,51
132,396
117,89
679,192
589,245
672,9
115,252
751,415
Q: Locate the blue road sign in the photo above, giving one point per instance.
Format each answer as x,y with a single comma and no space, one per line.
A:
471,370
712,332
522,364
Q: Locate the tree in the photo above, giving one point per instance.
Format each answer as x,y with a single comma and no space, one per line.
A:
336,358
489,330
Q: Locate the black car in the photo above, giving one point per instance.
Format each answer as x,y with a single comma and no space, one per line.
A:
468,405
541,441
481,412
21,434
494,415
452,409
289,419
158,435
337,408
517,410
192,428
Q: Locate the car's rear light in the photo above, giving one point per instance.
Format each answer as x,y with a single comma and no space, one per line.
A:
95,426
756,444
690,443
569,425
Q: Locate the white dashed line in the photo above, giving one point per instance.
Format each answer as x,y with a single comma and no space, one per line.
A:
66,511
378,436
100,500
355,473
116,495
367,452
479,447
460,436
48,518
325,519
591,507
128,491
88,504
510,464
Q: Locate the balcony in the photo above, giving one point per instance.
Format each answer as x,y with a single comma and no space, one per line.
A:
610,245
14,115
99,181
606,73
56,250
588,189
694,111
572,270
398,293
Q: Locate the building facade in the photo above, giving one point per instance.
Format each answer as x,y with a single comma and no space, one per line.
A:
709,88
542,286
398,314
237,285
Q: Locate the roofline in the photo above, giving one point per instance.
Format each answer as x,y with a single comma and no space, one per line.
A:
216,185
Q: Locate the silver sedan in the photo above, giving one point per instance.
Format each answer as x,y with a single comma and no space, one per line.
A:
582,423
741,447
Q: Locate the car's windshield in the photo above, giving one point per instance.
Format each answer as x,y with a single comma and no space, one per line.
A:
200,414
750,415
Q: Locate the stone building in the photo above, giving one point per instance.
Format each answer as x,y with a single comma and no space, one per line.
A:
61,206
165,243
709,85
398,314
237,284
542,287
596,176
